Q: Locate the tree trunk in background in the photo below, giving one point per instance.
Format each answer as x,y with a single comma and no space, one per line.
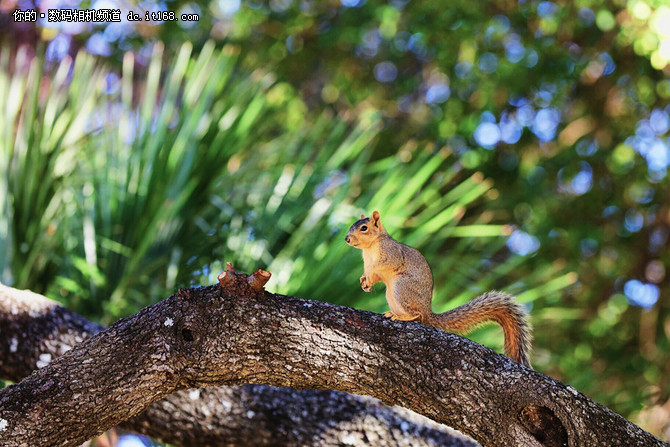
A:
240,334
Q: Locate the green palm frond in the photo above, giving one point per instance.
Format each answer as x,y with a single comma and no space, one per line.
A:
43,124
154,166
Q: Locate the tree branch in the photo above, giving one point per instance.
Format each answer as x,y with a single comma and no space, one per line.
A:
35,330
235,334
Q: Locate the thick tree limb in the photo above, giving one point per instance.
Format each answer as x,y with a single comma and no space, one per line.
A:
34,330
234,335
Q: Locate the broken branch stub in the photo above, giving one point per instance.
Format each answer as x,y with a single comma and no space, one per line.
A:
256,281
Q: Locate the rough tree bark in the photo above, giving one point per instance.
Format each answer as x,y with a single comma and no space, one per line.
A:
237,333
34,330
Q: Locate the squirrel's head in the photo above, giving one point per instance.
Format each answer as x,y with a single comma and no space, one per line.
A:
364,232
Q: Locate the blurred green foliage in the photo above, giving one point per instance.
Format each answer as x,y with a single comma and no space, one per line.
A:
263,138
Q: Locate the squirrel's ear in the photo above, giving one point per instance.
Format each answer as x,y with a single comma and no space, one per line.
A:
375,218
362,216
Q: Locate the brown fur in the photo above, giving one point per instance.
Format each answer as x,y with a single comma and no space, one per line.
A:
409,290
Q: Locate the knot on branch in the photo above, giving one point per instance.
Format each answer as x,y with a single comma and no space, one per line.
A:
253,283
544,426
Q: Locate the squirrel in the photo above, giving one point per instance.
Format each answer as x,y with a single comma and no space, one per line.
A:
409,290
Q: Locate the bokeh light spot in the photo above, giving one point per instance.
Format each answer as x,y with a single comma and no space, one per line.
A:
229,7
488,63
545,124
385,71
487,135
641,294
437,93
522,243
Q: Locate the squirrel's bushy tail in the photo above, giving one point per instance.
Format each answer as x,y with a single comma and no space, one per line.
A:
495,307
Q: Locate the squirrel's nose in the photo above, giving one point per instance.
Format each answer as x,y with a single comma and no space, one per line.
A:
347,239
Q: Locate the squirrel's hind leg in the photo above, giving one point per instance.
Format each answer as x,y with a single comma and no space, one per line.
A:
408,317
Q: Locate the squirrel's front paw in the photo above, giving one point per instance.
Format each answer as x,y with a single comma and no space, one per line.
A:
365,285
388,314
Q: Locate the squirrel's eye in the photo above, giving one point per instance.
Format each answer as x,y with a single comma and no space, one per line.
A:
364,228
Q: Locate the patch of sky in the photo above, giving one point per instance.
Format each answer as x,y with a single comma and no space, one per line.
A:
487,117
514,49
583,181
522,243
111,83
99,45
659,121
578,184
228,7
518,101
510,129
657,156
647,143
545,124
543,98
416,43
633,221
130,441
71,28
437,93
606,60
118,30
641,294
487,134
58,47
602,64
352,3
644,130
98,4
546,9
